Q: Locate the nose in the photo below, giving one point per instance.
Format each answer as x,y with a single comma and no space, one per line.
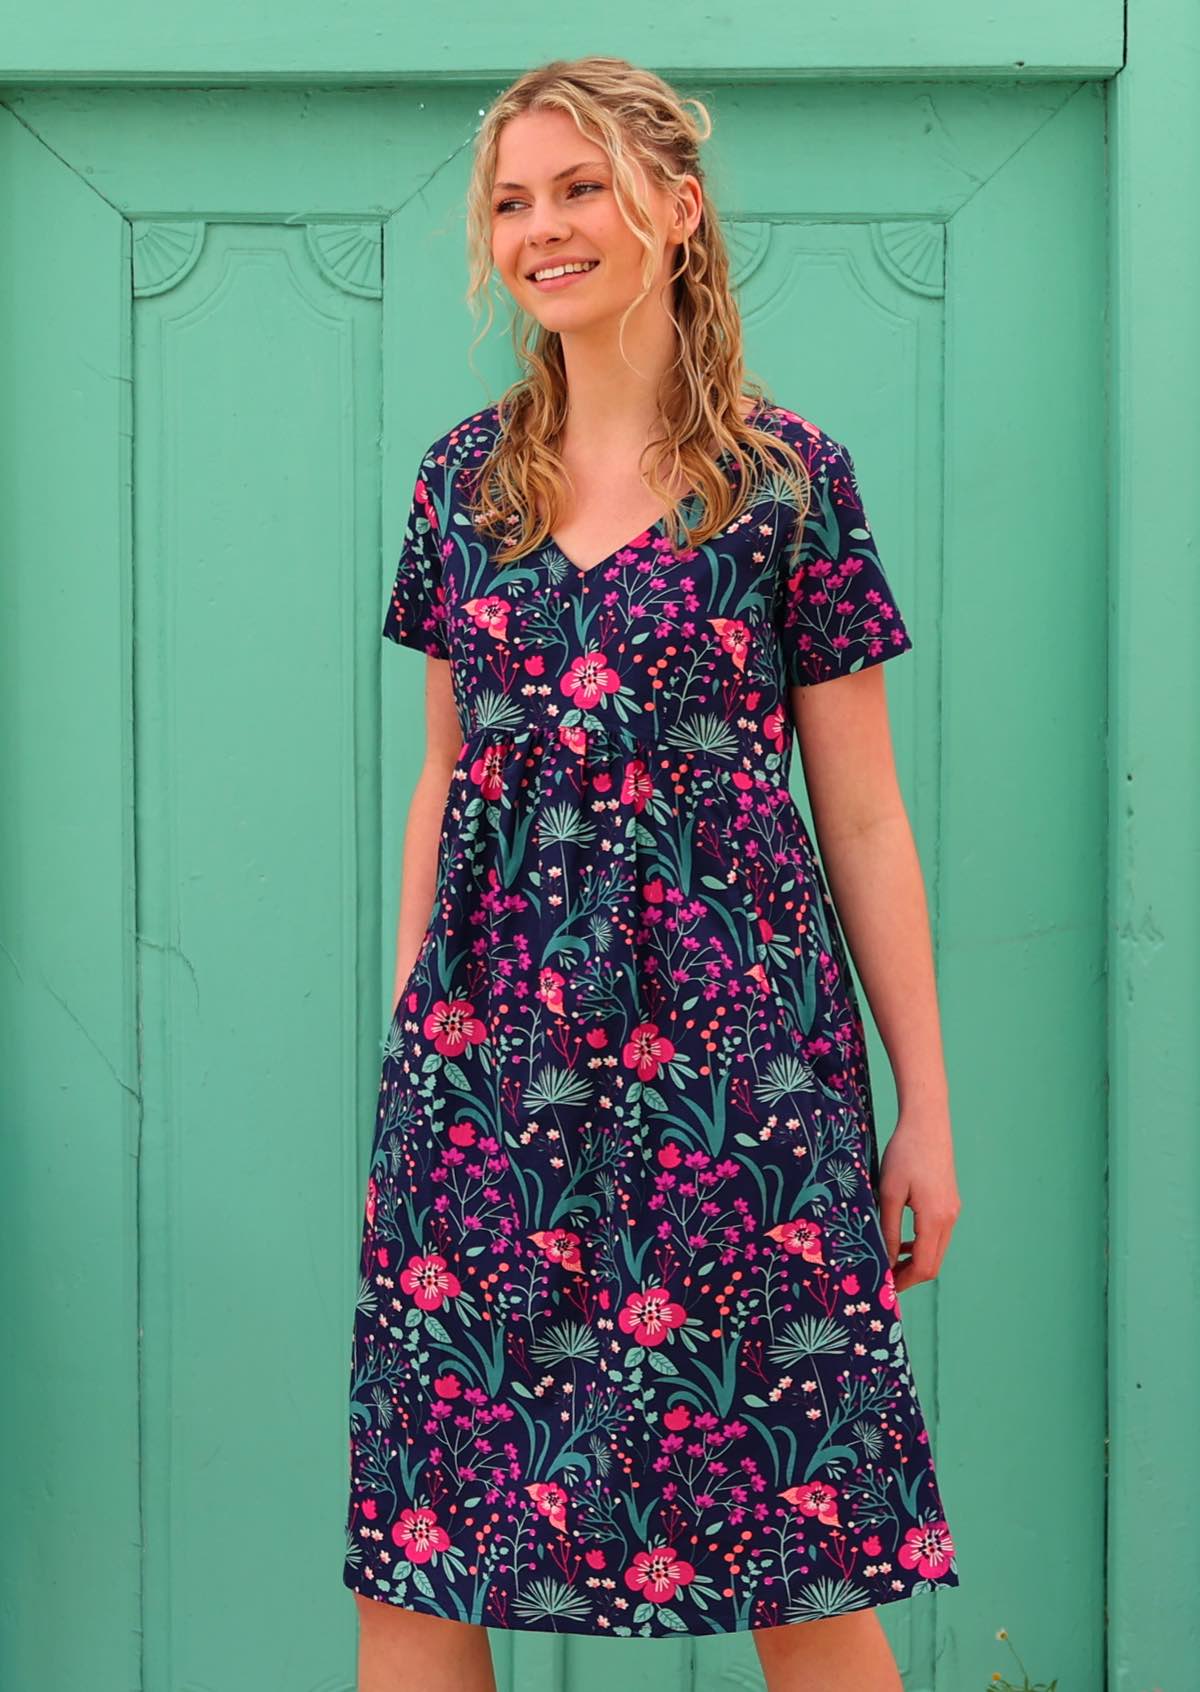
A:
547,232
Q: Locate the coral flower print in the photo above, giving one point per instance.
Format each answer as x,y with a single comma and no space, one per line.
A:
815,1499
588,679
418,1535
560,1246
650,1316
627,1356
487,771
802,1237
658,1574
452,1026
735,638
647,1050
928,1549
429,1281
551,1501
490,614
637,785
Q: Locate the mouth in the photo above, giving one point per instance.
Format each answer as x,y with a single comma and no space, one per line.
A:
563,279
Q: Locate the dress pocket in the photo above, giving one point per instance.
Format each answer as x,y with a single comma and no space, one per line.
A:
422,950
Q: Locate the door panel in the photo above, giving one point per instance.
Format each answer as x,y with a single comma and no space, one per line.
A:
257,395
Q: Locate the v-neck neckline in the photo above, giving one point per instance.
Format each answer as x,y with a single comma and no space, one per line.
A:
552,545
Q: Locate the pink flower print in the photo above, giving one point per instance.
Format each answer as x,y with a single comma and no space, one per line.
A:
757,973
573,737
429,1281
801,1236
595,1559
560,1246
549,989
929,1549
370,1508
888,1295
670,1155
637,787
462,1133
775,727
658,1573
735,638
677,1418
372,1196
535,665
654,891
490,614
589,679
421,495
647,1050
817,1498
650,1316
551,1501
447,1386
488,771
418,1535
452,1026
872,1545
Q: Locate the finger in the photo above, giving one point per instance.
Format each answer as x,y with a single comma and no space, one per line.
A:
928,1250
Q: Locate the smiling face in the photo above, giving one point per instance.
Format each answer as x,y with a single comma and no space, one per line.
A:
553,202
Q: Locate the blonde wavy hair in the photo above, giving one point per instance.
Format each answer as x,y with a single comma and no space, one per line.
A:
633,115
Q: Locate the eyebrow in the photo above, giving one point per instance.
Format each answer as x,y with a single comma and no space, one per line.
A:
587,164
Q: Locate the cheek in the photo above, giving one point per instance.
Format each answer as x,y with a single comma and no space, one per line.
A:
622,248
505,252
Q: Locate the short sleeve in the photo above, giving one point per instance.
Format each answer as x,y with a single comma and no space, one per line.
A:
837,613
416,614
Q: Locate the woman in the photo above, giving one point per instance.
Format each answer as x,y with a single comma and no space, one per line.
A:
629,1358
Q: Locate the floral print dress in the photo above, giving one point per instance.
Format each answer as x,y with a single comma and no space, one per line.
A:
628,1356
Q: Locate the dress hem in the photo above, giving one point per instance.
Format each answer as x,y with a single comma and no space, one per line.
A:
948,1581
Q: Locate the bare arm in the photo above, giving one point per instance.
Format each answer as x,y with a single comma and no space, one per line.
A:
443,740
874,875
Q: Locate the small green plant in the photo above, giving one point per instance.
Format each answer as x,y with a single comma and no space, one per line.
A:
999,1684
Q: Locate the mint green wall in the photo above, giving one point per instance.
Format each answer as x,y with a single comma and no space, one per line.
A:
228,322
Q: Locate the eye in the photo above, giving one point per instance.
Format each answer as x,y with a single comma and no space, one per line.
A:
503,203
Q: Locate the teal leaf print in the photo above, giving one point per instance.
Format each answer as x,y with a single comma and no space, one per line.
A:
567,1342
784,1076
556,1087
828,1597
551,1600
812,1336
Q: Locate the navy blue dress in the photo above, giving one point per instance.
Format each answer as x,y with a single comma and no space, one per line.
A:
628,1356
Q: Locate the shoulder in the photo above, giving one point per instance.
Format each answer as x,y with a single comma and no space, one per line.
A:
467,443
801,432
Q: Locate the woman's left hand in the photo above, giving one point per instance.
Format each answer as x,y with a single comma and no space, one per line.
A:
917,1170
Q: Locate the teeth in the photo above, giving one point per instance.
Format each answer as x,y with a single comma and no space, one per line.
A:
564,270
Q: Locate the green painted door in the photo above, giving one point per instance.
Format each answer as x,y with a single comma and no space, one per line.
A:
257,324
